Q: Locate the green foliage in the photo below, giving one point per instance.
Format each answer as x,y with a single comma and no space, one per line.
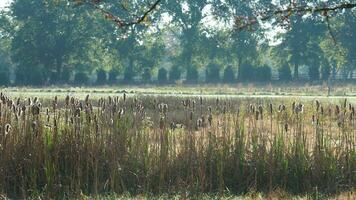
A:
212,73
113,73
246,72
81,78
263,74
147,75
128,75
162,76
101,77
192,75
314,73
229,75
175,74
284,73
4,78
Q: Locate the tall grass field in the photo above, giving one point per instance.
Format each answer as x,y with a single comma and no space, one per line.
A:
65,147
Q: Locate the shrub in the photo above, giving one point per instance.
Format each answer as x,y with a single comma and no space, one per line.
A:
162,76
147,75
4,78
314,73
212,73
101,76
175,73
284,73
263,74
325,72
192,75
229,76
81,78
128,75
246,72
113,73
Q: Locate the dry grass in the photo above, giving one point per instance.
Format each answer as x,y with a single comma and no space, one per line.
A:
62,148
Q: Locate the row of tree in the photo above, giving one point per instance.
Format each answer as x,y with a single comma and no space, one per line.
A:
53,42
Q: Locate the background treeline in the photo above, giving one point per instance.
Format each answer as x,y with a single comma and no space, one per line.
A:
193,41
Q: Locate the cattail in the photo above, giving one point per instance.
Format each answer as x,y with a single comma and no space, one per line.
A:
124,96
286,127
257,114
313,119
321,110
165,108
345,103
66,100
260,110
121,113
210,110
35,109
217,101
191,116
18,102
201,100
199,123
161,123
337,110
210,119
317,105
87,100
7,129
293,107
270,108
224,110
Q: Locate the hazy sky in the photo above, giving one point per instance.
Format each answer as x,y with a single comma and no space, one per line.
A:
4,3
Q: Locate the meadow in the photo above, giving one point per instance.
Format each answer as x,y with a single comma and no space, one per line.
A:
71,144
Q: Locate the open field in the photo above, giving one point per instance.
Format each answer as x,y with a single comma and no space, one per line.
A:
63,143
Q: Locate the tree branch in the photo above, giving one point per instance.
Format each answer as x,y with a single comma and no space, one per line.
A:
243,22
111,16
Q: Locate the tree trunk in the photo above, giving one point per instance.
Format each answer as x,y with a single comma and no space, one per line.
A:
296,72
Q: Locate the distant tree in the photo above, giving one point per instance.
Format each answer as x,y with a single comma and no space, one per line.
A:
284,73
246,72
325,71
212,73
229,76
81,78
192,75
162,76
147,75
113,73
4,78
128,75
101,77
263,74
175,74
314,73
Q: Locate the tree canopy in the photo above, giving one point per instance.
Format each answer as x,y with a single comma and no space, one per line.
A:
195,41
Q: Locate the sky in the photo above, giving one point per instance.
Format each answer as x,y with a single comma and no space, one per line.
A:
3,3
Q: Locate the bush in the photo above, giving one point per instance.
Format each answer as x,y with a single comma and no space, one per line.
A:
128,75
81,78
284,73
175,74
229,76
192,75
147,75
212,73
325,72
4,78
246,72
162,76
113,73
263,74
314,73
101,76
